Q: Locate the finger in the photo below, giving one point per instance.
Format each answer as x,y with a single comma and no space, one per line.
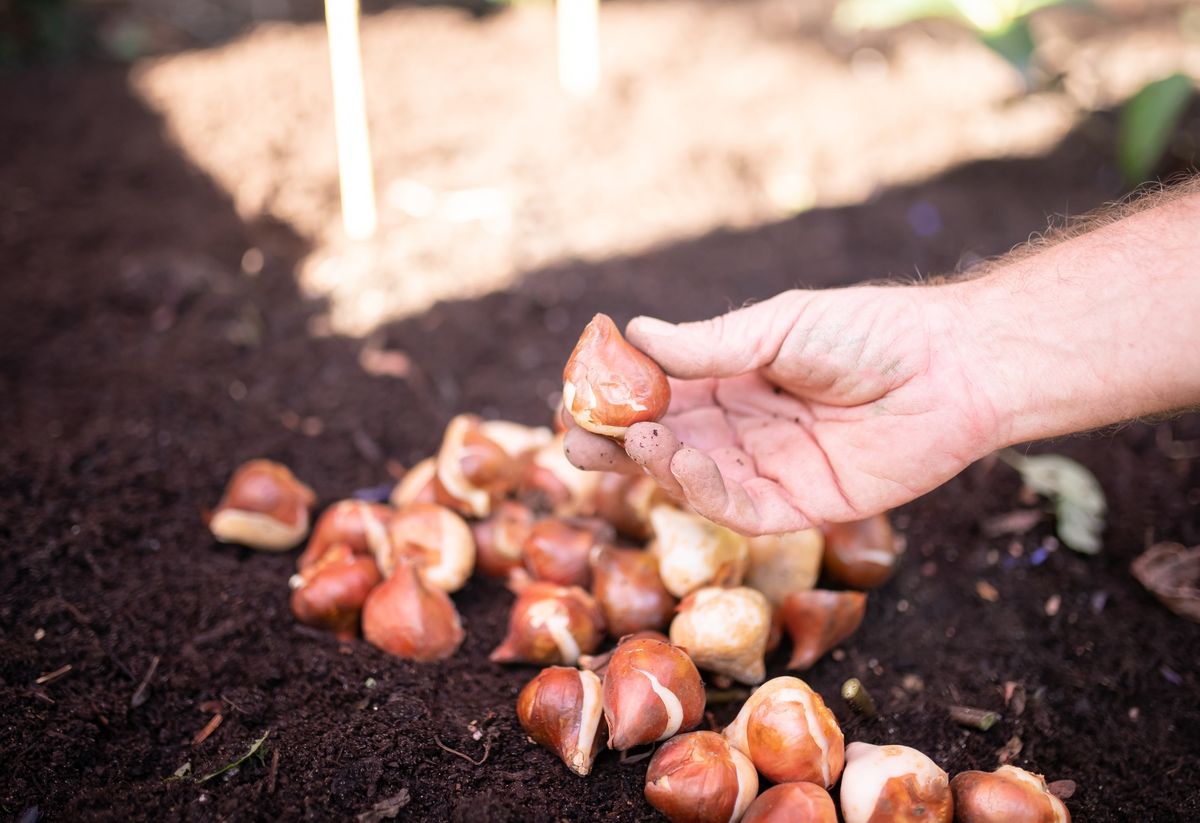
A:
592,452
757,506
725,346
651,446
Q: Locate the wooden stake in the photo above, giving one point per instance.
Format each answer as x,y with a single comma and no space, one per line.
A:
355,171
578,46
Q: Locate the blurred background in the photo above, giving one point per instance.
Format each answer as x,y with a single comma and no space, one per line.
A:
707,115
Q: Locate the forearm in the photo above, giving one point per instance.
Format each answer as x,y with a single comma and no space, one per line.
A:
1100,328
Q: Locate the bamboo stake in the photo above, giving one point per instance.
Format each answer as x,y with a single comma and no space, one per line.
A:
578,46
355,172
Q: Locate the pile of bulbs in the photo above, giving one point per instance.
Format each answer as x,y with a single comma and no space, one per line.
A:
590,554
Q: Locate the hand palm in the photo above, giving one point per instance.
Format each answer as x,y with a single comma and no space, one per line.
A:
857,406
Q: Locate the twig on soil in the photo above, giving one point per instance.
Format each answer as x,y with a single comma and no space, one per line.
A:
487,750
856,694
273,772
209,728
50,677
717,696
253,750
140,695
972,718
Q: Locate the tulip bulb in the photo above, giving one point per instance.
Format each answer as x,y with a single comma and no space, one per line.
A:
792,803
789,733
699,778
551,624
625,500
608,385
1007,795
433,537
550,482
418,485
893,784
561,710
407,618
652,691
862,554
725,631
626,584
499,538
473,471
818,620
330,592
780,564
264,507
694,552
559,552
361,526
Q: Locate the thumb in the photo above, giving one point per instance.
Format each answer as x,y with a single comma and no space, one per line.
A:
725,346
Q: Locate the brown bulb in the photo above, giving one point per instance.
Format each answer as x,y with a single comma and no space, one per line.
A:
405,617
550,483
792,803
652,691
264,507
862,554
608,385
699,778
560,709
1007,795
330,593
818,620
893,784
625,500
473,471
551,624
789,733
557,551
433,537
500,537
626,584
354,523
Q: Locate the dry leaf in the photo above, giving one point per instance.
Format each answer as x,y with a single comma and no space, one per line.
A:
1079,503
1172,574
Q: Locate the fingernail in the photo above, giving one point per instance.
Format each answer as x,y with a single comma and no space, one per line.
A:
652,326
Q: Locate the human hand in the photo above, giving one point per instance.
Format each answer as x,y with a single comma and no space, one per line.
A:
809,407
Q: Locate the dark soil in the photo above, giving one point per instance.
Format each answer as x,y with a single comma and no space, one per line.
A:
139,366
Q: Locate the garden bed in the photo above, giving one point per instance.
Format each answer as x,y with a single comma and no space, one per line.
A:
141,365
